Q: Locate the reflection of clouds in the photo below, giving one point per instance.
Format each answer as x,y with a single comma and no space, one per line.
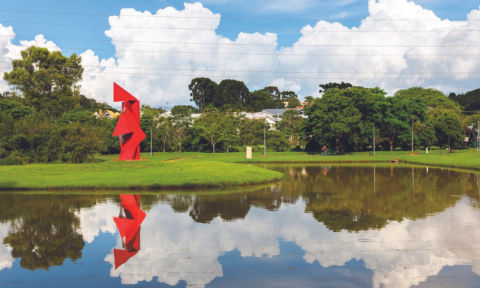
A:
96,219
175,248
6,259
400,255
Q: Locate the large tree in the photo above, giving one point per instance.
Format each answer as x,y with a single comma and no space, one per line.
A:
47,80
231,92
332,118
290,124
202,91
215,127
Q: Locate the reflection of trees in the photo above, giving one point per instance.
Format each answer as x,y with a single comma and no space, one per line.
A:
349,198
44,230
229,208
353,198
45,238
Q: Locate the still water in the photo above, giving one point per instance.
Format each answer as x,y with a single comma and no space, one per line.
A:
323,226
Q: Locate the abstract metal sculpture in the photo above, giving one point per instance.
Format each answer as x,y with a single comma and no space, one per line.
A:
128,224
128,124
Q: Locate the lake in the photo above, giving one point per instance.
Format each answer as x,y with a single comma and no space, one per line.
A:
323,226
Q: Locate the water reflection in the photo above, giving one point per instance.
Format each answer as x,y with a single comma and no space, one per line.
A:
405,226
128,224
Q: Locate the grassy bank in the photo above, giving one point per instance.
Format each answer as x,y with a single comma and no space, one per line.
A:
160,172
466,159
198,170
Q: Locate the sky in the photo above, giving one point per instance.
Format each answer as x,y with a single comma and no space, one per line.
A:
154,48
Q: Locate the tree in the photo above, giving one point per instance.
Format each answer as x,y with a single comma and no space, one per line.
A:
47,80
202,91
290,123
79,142
447,128
163,129
231,92
275,97
332,118
251,131
434,99
184,109
181,122
397,117
308,100
259,100
276,141
214,127
341,86
470,100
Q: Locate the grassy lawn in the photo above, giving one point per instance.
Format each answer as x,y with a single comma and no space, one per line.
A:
160,172
198,170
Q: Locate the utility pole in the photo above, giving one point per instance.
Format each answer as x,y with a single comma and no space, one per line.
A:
412,133
373,139
264,143
151,145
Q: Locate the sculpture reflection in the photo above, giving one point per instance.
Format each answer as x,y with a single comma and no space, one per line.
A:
128,224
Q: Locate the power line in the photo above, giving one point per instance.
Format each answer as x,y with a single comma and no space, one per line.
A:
272,77
274,54
249,44
230,18
257,71
240,29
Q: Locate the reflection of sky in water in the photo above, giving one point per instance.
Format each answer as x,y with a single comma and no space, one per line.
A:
6,259
400,255
283,248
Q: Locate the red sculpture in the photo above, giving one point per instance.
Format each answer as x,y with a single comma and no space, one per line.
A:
128,224
128,124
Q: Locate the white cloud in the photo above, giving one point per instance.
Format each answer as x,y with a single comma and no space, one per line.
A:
6,64
166,75
40,41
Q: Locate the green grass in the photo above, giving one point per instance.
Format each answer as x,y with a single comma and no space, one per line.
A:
159,172
198,170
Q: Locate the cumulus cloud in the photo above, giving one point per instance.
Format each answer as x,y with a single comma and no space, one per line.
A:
398,45
6,62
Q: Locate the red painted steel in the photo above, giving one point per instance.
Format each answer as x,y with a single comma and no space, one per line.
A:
128,224
128,124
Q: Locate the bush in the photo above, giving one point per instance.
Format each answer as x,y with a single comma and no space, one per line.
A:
313,146
297,149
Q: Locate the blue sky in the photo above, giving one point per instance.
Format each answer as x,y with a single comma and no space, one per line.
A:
303,12
392,44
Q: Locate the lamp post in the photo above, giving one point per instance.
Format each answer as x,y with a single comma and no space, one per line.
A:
412,133
373,139
151,145
264,143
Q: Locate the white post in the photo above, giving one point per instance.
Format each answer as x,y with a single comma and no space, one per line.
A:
249,152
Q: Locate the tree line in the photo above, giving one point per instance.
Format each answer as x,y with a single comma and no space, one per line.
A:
46,119
234,95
